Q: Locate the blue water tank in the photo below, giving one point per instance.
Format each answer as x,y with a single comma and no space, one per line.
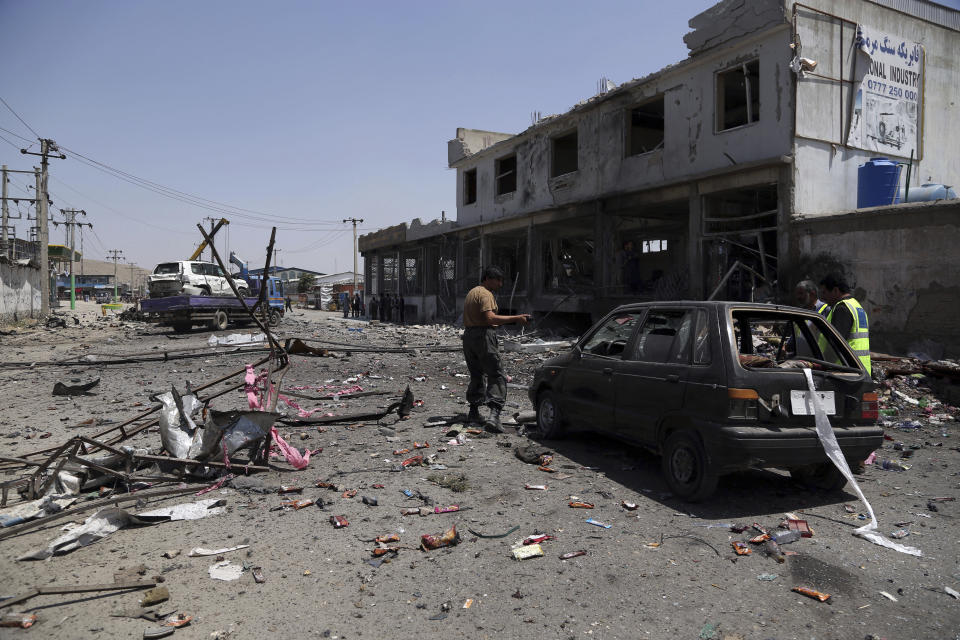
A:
877,182
928,192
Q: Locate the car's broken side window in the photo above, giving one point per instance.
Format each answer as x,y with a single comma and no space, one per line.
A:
611,338
781,341
664,337
701,341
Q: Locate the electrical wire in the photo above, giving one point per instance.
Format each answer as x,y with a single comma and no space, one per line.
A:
119,213
19,118
322,242
17,135
15,146
206,203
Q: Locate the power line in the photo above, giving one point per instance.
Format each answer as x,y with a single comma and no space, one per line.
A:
198,201
19,118
15,146
119,213
17,135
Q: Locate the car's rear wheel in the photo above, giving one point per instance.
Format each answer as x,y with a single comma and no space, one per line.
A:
549,420
823,476
686,467
219,321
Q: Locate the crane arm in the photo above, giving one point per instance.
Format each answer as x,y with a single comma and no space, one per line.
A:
203,245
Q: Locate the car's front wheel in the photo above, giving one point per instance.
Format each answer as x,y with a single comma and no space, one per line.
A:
823,476
549,420
687,468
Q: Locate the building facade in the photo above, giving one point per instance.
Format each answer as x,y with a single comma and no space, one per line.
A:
688,183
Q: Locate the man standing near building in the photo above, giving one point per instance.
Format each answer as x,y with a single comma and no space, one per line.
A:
805,293
481,349
847,316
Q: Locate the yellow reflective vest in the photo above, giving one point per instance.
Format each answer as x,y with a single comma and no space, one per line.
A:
859,338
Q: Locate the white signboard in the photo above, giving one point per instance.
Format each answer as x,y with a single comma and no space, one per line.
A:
887,104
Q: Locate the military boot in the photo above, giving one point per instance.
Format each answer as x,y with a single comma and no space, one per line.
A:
474,416
492,423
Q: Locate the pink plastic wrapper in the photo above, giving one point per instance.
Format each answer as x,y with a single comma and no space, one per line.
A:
290,453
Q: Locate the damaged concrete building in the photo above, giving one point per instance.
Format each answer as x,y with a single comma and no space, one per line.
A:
731,175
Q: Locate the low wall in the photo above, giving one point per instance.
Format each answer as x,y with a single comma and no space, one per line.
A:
903,263
19,292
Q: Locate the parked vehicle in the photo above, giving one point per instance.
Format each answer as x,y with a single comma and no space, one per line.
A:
192,278
713,387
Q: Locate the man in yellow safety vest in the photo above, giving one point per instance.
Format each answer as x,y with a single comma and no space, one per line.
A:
847,316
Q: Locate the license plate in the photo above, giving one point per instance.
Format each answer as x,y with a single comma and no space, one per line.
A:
801,403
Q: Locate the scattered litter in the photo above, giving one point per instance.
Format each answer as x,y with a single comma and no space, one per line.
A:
576,504
528,551
572,554
767,577
96,527
258,576
811,593
339,522
60,389
154,596
952,593
187,510
597,523
236,338
741,548
888,596
225,571
197,552
447,539
150,633
21,620
629,506
296,505
535,487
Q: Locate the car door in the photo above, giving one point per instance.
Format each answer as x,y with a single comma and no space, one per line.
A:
650,381
588,393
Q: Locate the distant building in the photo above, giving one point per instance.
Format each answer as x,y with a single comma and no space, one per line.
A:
691,181
289,276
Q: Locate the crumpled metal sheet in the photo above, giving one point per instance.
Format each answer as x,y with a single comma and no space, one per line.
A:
179,432
25,511
241,429
95,528
185,511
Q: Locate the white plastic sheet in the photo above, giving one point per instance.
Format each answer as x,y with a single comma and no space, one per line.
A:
236,338
829,441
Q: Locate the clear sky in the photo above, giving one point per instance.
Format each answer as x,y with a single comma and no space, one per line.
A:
299,113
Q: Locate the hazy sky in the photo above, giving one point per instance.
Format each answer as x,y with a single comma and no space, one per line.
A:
300,113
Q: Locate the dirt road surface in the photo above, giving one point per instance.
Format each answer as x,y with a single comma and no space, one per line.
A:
665,570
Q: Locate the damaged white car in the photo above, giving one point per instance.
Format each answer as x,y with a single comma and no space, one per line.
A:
193,278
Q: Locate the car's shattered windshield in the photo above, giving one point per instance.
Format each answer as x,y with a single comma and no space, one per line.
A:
784,341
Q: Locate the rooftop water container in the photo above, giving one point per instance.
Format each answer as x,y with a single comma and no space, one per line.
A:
877,182
927,193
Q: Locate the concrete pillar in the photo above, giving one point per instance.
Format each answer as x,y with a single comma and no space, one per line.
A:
784,214
695,243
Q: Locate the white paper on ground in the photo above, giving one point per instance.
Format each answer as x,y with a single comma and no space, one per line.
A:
236,338
98,526
829,441
225,571
200,551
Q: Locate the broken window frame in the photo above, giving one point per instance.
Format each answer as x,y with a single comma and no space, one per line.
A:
751,110
470,186
505,178
631,133
557,168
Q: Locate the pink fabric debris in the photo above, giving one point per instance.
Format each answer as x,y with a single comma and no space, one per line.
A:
252,387
290,453
216,485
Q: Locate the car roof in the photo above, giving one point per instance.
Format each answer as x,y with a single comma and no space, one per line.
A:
720,305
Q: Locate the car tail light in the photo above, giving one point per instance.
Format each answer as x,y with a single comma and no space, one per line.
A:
742,404
869,407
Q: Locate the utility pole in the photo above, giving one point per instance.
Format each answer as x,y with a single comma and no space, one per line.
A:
131,280
276,265
71,223
116,254
6,215
354,221
47,148
211,221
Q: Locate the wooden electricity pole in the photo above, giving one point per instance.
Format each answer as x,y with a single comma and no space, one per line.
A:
354,221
